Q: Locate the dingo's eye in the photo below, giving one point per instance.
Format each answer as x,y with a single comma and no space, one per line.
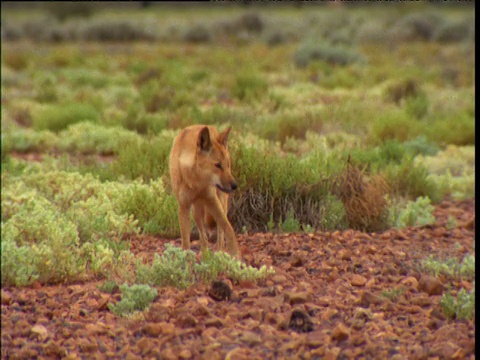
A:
218,166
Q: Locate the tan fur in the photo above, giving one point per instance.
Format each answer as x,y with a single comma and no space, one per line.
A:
200,169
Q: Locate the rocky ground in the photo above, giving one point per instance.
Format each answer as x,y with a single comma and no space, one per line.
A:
340,295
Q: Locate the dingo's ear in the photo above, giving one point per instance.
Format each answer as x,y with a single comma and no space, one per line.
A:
223,136
204,142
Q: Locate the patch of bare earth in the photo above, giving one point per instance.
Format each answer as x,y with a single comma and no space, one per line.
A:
327,300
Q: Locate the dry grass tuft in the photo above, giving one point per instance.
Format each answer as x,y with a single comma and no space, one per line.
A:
363,198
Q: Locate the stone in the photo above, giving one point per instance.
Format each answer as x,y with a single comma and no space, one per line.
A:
340,332
358,280
430,285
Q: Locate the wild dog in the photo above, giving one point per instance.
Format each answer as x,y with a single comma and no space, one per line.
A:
200,170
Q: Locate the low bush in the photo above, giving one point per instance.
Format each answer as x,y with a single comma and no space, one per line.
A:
134,298
414,213
90,138
460,308
249,87
146,159
411,180
451,267
417,26
179,268
363,198
103,29
58,117
309,51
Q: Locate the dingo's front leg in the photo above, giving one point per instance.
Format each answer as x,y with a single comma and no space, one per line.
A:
215,208
184,219
199,217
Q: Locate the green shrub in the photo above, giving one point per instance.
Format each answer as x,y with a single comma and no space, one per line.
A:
451,267
179,268
152,207
198,33
249,87
463,307
454,31
39,243
28,140
89,138
456,130
146,159
58,117
103,29
417,213
174,268
411,180
417,26
395,124
309,51
134,298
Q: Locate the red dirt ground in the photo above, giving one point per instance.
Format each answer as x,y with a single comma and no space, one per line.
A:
338,280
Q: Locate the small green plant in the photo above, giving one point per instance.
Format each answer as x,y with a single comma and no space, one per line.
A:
289,224
451,267
451,223
415,213
134,298
462,307
393,294
213,264
108,287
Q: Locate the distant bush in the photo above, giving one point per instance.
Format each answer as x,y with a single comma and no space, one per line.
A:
61,10
198,33
454,31
417,26
89,138
28,140
309,51
59,117
146,159
411,180
458,129
395,124
249,87
115,30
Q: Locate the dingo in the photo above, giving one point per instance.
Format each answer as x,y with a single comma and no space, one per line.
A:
200,169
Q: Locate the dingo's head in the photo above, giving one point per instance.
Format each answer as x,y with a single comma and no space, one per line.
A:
215,159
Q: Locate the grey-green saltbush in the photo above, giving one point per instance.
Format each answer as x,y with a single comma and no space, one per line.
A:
309,51
59,117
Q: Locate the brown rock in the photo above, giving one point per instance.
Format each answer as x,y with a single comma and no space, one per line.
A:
410,282
430,285
186,321
332,354
250,338
298,298
368,298
214,321
40,332
185,354
278,279
6,298
418,353
358,280
132,356
340,332
145,345
156,329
